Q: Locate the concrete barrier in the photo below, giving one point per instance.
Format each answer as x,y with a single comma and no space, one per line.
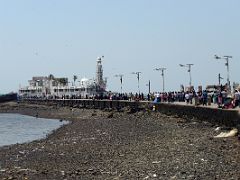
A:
215,116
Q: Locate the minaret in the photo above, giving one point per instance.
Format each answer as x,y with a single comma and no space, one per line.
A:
99,72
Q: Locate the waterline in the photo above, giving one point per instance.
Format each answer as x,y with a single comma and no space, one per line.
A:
16,128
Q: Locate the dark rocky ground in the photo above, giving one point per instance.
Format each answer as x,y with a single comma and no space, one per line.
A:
120,145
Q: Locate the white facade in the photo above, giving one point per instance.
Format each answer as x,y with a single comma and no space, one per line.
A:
58,87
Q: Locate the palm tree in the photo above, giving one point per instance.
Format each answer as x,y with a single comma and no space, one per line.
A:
74,78
51,76
63,81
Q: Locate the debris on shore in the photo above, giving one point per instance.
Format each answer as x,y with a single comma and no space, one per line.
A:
232,133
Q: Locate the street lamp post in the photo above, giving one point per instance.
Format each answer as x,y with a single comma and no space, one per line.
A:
149,87
189,71
162,74
138,78
219,79
121,80
227,65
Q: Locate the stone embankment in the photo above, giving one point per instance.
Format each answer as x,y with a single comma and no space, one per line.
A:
229,118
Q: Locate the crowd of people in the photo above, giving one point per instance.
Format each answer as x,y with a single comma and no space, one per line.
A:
205,98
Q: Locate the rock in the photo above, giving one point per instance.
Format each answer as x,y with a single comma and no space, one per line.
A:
217,129
154,175
110,115
62,173
94,114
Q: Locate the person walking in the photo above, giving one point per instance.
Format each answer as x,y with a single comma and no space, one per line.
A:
220,99
205,98
187,97
237,98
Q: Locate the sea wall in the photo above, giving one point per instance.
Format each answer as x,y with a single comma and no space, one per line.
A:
229,118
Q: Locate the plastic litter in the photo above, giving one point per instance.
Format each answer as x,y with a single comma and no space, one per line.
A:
231,133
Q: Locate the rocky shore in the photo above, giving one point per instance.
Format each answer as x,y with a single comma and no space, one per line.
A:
120,145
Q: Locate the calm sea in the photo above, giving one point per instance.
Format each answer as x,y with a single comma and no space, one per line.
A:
15,128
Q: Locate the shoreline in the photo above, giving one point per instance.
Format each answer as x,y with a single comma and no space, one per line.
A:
35,135
120,145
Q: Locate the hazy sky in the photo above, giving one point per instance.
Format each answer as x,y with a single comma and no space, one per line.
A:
64,37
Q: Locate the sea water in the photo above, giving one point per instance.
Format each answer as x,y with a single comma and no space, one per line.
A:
16,128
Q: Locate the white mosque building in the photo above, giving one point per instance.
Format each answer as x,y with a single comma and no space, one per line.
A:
50,86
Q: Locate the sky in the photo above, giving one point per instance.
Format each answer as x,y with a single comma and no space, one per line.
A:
65,37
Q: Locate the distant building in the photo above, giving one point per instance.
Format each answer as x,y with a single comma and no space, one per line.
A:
50,86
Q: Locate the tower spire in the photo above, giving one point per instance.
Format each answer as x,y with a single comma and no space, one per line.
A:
99,72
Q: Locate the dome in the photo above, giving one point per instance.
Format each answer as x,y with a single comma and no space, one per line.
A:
84,80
